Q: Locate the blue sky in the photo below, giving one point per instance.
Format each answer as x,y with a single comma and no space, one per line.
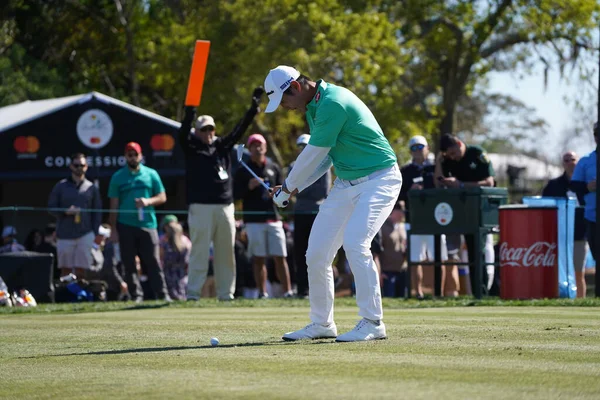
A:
549,102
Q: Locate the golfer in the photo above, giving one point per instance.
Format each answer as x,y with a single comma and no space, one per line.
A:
344,133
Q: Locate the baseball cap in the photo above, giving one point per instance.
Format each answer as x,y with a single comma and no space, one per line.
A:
9,231
167,219
103,231
417,140
277,82
133,146
205,120
256,137
303,139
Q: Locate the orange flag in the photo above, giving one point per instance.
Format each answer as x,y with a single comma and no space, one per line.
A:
196,82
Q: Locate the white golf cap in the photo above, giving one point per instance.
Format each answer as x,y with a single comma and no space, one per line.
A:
278,80
104,231
417,140
205,120
303,139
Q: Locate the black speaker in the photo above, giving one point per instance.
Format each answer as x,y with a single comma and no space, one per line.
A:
31,271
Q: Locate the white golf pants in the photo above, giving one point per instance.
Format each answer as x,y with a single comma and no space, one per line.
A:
351,216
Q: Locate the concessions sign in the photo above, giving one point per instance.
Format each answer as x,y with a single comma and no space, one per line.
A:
40,137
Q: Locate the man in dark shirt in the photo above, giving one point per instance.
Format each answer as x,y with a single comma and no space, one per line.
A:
266,237
418,175
559,187
458,166
210,200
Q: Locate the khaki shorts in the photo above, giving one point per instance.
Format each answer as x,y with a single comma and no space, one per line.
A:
75,253
266,239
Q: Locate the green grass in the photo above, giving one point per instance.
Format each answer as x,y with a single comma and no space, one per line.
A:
433,352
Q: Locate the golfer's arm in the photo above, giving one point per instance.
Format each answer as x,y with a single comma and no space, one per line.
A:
310,165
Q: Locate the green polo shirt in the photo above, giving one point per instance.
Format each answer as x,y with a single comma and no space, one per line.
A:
128,186
340,120
475,166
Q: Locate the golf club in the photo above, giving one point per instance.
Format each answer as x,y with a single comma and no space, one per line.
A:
240,153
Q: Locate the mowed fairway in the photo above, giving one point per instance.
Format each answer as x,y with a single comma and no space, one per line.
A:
431,353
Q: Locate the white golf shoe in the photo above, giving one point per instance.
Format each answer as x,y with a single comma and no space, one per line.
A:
312,331
364,330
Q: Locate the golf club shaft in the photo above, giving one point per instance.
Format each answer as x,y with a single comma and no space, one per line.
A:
254,175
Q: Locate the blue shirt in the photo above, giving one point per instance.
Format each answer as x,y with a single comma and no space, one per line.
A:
585,171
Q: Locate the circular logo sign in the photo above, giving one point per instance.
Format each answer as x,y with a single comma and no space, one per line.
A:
443,214
94,128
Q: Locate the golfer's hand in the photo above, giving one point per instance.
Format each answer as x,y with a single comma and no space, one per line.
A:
280,198
592,185
253,184
73,210
450,182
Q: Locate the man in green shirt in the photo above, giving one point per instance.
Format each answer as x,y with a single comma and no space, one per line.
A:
462,166
134,190
345,134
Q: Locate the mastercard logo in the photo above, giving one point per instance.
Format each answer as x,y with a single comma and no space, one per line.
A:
162,142
26,144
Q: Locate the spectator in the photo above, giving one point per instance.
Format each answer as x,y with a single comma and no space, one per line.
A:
132,187
418,175
9,241
458,166
76,227
305,212
167,219
583,182
48,246
117,288
263,224
559,187
33,240
393,256
175,256
209,198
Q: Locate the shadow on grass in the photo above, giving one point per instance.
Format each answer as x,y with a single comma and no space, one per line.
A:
179,348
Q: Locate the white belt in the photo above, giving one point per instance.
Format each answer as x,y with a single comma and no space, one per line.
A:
376,174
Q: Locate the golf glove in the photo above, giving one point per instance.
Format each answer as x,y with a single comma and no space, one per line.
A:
281,198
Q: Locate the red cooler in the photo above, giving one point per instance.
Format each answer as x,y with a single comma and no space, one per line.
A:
528,252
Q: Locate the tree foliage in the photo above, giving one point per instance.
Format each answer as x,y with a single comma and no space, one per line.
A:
416,63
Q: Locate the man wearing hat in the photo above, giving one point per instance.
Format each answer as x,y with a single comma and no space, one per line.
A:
345,134
210,198
9,240
418,175
266,237
583,182
305,211
134,190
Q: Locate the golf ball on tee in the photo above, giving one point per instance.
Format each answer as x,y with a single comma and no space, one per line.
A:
214,342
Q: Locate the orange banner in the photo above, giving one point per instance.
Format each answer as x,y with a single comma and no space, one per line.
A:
196,82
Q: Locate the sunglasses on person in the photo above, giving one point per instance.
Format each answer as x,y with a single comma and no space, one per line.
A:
417,147
78,165
133,154
207,128
568,160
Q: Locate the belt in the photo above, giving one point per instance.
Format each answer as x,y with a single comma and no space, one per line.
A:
376,174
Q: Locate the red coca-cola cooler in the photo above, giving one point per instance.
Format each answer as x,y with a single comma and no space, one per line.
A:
528,252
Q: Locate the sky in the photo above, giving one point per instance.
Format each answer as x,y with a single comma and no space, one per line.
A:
550,104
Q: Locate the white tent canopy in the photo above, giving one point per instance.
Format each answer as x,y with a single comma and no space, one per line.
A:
21,113
535,170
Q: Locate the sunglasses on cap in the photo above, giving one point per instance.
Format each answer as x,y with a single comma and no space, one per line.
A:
416,147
